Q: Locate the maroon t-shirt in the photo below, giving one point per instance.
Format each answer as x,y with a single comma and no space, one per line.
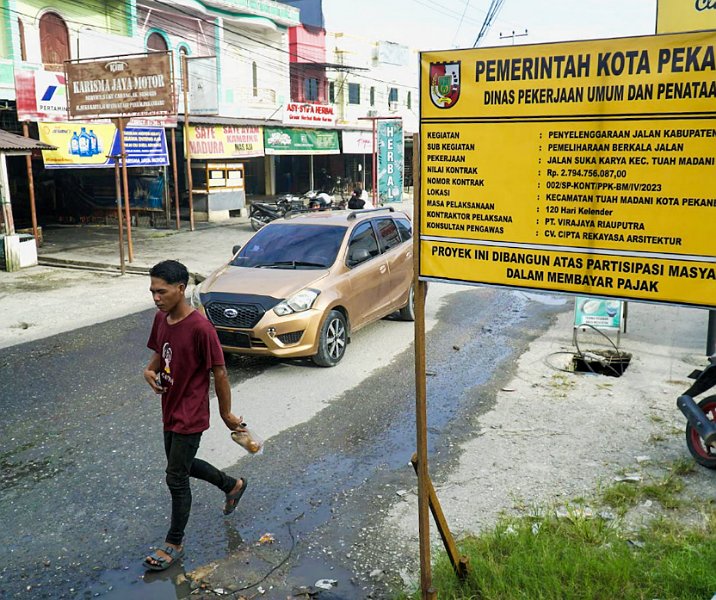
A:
189,349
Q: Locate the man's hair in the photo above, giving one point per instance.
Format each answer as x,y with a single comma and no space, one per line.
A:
171,271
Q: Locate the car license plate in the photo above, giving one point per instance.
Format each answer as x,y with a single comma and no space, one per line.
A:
235,339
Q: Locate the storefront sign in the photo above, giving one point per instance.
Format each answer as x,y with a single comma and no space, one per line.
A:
390,161
577,167
673,16
300,141
88,145
357,142
597,312
225,141
120,86
203,88
296,113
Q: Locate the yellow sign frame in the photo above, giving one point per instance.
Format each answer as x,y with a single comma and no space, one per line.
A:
593,163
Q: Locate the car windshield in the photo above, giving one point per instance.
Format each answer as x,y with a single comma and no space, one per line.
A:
292,246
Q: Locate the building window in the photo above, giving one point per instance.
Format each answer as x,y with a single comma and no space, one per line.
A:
353,93
332,92
409,101
54,40
255,78
310,89
156,43
21,35
393,97
372,96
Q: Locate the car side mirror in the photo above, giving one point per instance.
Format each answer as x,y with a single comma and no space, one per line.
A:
235,249
358,256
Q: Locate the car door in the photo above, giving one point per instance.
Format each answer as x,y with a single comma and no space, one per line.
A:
369,276
399,257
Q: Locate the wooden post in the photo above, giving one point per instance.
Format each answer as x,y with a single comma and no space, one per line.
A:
118,191
125,185
187,147
421,413
31,186
175,175
5,197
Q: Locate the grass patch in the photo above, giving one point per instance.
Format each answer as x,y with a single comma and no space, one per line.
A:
548,558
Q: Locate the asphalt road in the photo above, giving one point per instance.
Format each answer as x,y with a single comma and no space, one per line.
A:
82,492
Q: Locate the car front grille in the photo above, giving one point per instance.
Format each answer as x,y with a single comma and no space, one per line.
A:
290,338
247,315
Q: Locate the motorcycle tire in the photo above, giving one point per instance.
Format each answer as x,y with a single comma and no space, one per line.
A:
257,222
704,455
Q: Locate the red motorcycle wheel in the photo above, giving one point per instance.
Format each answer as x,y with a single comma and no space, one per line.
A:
704,455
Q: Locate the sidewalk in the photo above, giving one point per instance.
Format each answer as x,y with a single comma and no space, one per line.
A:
45,300
78,283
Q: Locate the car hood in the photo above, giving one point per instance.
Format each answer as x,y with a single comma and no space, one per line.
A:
277,283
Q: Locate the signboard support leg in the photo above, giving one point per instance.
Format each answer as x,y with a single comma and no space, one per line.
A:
31,184
125,186
711,334
176,178
118,190
187,146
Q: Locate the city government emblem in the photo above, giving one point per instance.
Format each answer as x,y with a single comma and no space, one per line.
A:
445,84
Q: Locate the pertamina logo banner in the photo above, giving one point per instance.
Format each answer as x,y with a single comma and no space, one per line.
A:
225,141
41,95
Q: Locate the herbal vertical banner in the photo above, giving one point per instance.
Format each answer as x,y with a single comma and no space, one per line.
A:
583,167
390,161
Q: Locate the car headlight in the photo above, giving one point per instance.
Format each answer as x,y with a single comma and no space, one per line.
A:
195,299
299,302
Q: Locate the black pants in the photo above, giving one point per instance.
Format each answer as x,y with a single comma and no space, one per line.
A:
181,464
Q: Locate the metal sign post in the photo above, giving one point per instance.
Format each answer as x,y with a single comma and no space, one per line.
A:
125,187
176,178
187,146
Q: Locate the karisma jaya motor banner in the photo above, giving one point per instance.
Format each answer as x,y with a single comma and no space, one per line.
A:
583,167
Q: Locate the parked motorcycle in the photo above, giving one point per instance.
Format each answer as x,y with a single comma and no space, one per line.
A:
701,417
261,213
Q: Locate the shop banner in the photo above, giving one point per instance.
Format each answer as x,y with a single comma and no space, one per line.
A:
296,113
203,86
300,141
674,16
121,86
390,161
87,145
357,142
225,141
597,312
42,97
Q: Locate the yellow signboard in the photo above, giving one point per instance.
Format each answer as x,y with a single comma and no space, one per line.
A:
225,141
673,16
602,148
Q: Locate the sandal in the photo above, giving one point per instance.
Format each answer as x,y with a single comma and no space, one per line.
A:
161,562
232,500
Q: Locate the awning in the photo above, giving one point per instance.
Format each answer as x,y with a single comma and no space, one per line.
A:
11,143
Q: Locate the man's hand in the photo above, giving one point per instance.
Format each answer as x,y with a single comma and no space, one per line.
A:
233,422
152,378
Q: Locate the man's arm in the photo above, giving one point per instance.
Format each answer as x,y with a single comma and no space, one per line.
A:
223,393
150,373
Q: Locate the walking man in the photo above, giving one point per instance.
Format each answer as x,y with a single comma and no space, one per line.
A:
185,349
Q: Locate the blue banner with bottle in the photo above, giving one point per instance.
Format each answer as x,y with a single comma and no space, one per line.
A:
91,145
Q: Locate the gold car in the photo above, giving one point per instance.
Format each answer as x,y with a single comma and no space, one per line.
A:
301,286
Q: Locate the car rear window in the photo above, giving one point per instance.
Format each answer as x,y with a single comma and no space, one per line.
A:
292,246
405,228
388,233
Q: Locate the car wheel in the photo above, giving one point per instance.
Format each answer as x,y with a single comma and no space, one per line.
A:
407,313
333,340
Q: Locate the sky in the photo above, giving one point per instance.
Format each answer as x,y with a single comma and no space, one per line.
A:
446,24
